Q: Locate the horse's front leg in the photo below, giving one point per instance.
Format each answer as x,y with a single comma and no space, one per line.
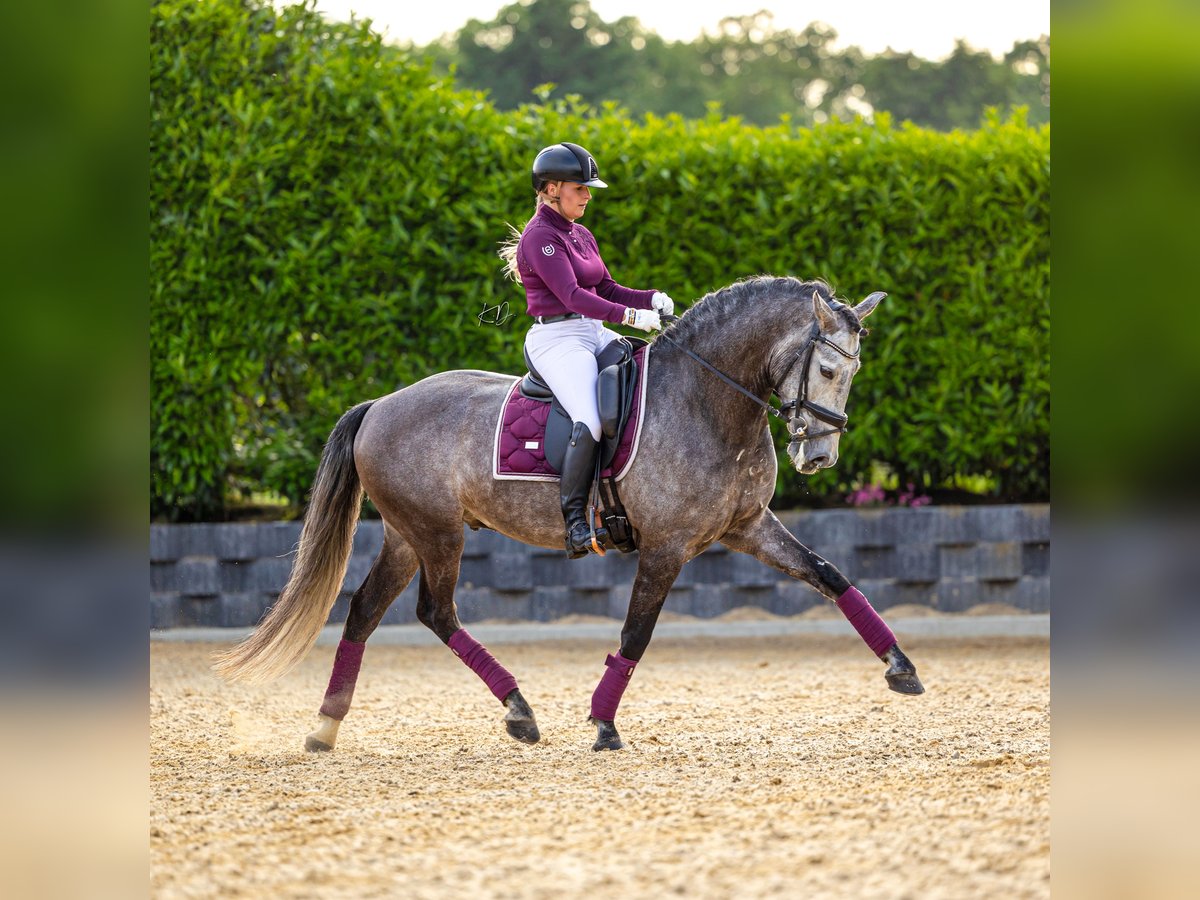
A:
768,541
657,571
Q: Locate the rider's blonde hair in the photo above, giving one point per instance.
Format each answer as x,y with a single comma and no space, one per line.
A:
508,246
508,252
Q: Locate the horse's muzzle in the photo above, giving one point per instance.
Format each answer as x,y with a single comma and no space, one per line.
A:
810,460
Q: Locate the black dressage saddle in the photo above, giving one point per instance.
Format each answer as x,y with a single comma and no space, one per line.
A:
614,397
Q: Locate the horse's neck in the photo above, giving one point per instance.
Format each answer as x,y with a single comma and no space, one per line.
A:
742,354
743,351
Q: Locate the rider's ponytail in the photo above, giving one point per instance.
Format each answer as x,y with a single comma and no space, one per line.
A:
508,253
508,246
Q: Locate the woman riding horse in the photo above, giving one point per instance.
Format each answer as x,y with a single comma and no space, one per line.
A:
570,295
704,472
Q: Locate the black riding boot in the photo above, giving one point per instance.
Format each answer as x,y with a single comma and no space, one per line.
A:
579,468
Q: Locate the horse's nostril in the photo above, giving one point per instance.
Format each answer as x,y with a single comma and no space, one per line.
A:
821,462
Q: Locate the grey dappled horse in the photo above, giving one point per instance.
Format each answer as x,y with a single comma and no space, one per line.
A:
705,472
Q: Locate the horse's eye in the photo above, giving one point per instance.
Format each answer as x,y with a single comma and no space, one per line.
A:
826,371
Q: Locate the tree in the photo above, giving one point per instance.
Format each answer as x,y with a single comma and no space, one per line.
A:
954,93
1029,65
749,68
561,42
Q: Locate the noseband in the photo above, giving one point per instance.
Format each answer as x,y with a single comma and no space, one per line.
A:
783,411
824,413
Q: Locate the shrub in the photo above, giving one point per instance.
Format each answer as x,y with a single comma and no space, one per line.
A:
325,214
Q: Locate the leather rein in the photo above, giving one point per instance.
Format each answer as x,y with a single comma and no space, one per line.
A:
803,356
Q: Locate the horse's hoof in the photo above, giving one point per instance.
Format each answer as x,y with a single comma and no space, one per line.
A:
525,731
606,736
905,682
901,674
612,743
323,739
519,721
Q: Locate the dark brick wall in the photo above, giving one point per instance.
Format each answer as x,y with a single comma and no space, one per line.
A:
948,558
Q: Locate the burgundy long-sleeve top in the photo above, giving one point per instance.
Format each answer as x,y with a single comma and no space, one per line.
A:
562,272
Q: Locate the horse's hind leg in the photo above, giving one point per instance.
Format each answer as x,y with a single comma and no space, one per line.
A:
436,610
767,540
391,572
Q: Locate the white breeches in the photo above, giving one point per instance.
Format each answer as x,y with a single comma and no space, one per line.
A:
564,354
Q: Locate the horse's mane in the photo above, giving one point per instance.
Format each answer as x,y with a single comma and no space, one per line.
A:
767,294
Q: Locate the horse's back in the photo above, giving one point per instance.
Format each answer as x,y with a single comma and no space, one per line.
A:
434,405
423,437
456,379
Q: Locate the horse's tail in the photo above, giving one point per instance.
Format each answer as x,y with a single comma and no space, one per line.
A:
291,626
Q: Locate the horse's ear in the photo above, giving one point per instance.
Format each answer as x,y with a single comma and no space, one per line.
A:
823,314
867,307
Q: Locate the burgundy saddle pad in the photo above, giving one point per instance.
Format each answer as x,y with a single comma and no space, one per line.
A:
519,453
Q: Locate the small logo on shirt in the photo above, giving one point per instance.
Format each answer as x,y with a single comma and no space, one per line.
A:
548,249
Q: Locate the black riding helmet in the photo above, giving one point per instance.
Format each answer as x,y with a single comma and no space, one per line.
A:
565,162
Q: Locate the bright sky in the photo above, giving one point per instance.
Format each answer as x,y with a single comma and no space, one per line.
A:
925,27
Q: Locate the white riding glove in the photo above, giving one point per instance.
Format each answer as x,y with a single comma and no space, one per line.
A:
664,304
642,319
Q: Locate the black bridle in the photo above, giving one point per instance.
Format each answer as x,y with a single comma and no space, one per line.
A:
783,411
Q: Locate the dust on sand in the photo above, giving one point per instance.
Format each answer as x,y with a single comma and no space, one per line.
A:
776,767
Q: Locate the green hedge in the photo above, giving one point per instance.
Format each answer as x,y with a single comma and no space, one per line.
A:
325,213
